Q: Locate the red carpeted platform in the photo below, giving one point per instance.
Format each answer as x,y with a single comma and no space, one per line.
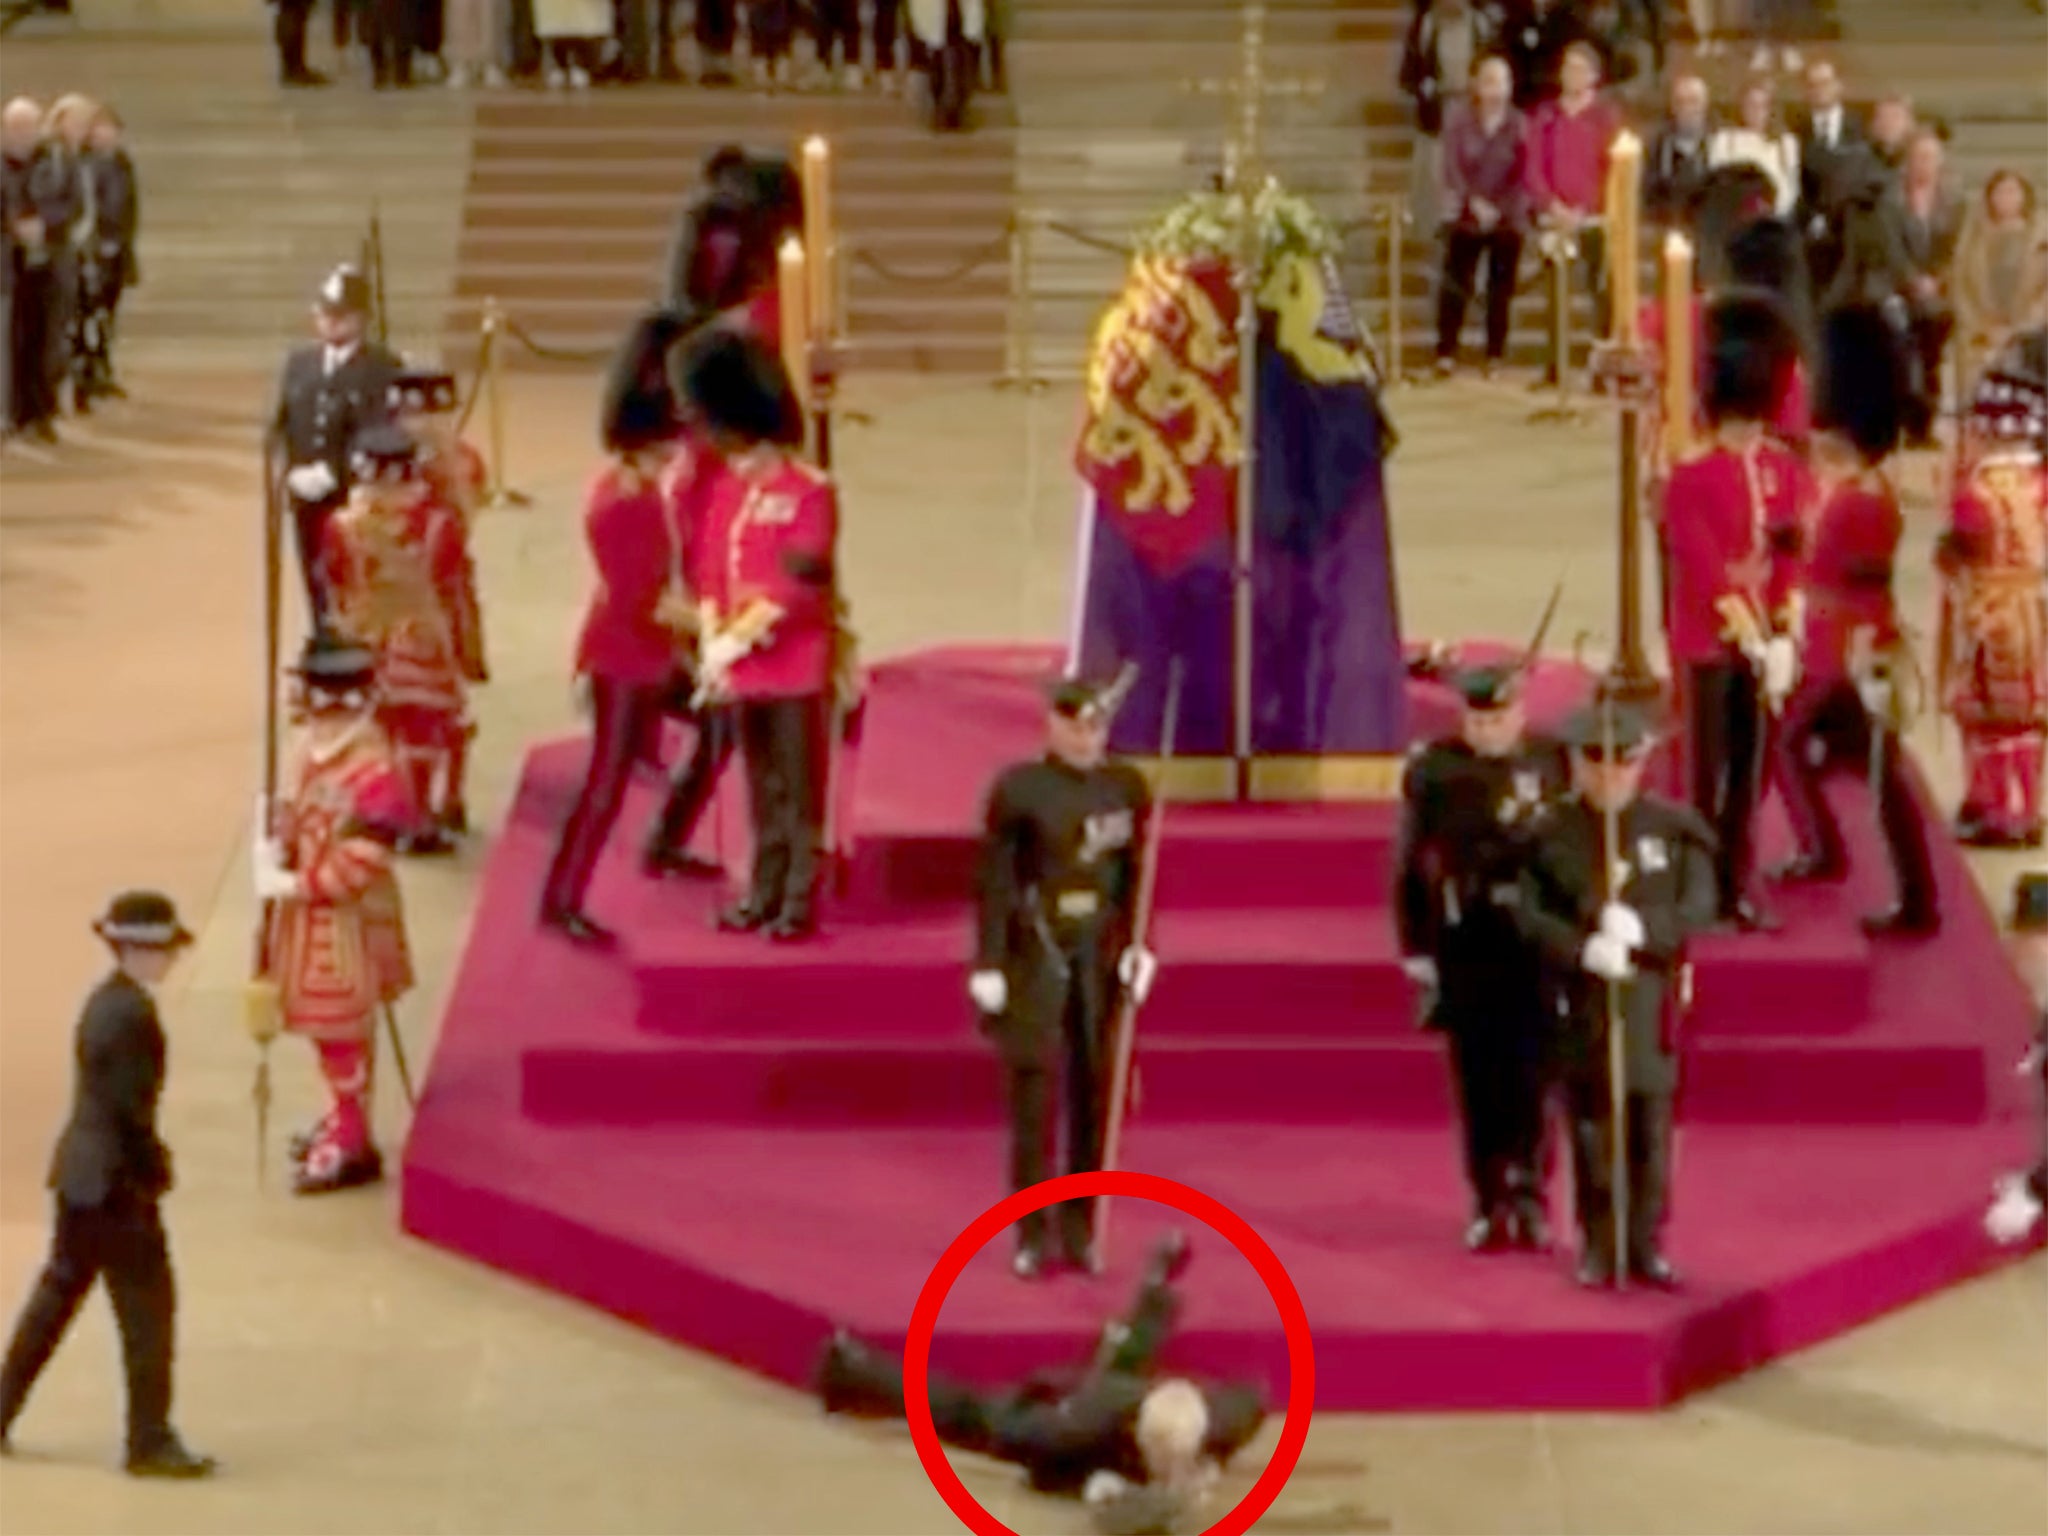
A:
740,1146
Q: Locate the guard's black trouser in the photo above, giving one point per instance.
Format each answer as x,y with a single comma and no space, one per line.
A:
1726,730
1647,1153
784,744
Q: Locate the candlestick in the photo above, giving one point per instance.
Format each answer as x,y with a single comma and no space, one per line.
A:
1624,195
1679,367
793,298
819,245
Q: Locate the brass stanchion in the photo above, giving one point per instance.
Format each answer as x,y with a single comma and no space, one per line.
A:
1397,243
498,494
1560,257
1020,360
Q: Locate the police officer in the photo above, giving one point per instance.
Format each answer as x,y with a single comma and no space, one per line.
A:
1613,922
1471,804
329,391
1057,888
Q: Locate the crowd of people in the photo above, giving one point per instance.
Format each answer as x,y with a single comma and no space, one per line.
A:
69,210
1516,115
574,44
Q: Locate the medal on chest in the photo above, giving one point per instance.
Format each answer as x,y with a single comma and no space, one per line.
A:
1104,832
1523,800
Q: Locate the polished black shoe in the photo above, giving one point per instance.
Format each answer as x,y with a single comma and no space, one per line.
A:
680,865
1809,869
741,917
1488,1233
1595,1271
579,927
1747,917
792,925
1528,1227
1170,1256
171,1459
1902,923
1654,1270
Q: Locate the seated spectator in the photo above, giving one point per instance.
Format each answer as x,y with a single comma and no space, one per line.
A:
1759,139
1445,41
2001,270
110,268
1567,181
1677,166
572,35
1485,172
1928,217
1827,133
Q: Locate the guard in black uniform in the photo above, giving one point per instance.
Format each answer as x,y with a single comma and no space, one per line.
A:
1471,805
330,390
1627,928
1057,884
1141,1447
110,1171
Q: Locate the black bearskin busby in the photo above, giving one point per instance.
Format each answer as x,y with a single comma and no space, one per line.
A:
640,405
1751,346
1863,391
736,387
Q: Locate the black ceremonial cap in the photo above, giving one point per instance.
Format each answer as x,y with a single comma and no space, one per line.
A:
147,918
1072,696
737,386
1750,346
1489,687
383,443
336,663
2030,902
1592,728
346,292
424,391
1863,380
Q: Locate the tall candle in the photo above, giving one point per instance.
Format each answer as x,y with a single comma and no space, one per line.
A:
1680,370
1624,194
793,298
818,238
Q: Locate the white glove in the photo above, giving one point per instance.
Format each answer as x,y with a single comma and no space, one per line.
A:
273,882
990,991
1607,957
720,650
1421,970
311,482
1875,689
2013,1213
1623,923
1781,668
1103,1487
1137,969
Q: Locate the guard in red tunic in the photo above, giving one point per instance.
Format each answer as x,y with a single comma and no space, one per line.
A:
1993,666
631,635
1733,522
396,566
1844,713
767,598
336,947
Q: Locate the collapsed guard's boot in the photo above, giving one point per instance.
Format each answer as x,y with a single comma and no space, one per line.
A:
857,1381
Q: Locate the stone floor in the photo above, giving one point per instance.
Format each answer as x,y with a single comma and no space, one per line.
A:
354,1382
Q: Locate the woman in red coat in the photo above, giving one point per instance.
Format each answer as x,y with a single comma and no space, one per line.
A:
630,637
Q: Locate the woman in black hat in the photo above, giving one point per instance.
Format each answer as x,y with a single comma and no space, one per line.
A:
110,1172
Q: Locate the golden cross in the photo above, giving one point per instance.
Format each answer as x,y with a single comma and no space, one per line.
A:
1244,144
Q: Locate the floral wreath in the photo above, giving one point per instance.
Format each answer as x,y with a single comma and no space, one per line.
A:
1204,226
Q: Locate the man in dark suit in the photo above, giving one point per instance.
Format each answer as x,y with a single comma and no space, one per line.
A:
330,390
1828,133
110,1171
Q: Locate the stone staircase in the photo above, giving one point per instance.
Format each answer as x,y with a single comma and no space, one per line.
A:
571,201
249,195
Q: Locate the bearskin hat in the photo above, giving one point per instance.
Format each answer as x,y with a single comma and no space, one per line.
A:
1863,391
640,406
1751,344
737,387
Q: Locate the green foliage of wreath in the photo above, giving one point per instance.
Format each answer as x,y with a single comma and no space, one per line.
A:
1205,226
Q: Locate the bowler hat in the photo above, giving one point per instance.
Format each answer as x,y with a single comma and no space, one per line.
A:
147,919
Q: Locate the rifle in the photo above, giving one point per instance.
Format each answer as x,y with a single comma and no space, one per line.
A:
1148,885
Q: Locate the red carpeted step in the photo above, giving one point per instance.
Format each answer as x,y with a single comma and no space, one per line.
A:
754,1244
1331,972
834,1083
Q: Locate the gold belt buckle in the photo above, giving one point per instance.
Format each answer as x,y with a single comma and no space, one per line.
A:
1077,904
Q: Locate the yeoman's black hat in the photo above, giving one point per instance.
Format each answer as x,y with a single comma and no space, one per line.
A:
336,663
380,447
147,919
